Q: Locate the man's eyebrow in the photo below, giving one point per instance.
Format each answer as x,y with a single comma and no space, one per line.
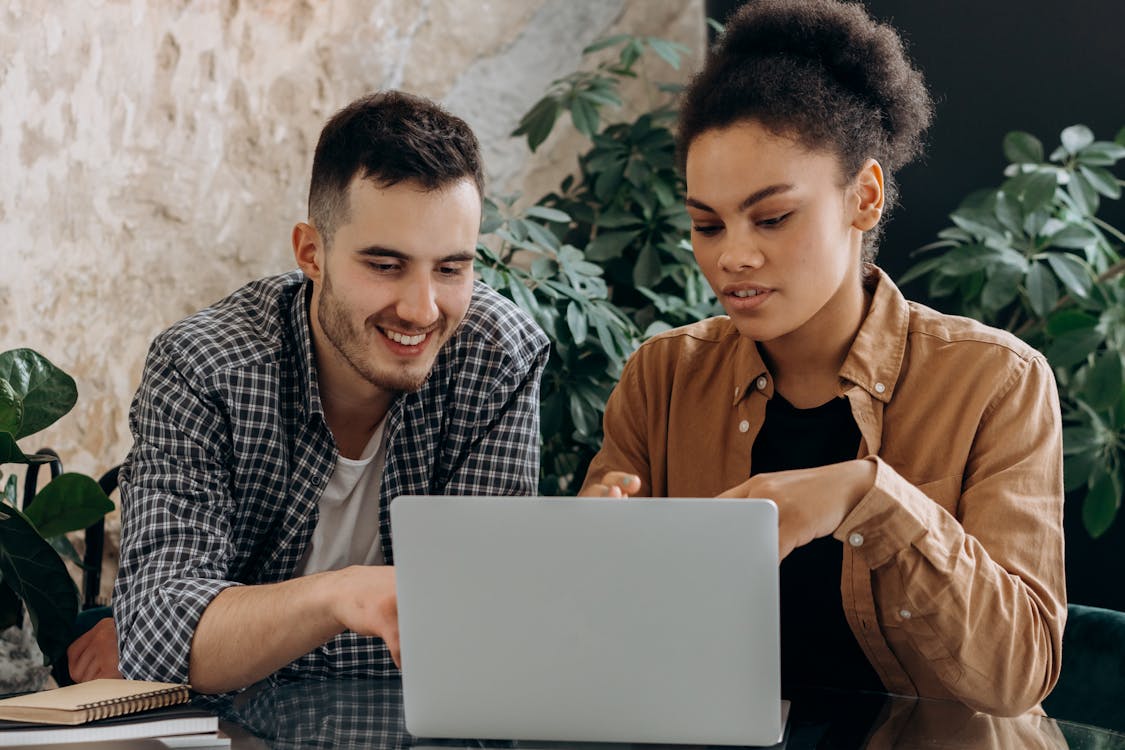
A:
377,251
747,202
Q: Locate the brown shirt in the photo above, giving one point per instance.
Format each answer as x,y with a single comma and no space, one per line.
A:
953,578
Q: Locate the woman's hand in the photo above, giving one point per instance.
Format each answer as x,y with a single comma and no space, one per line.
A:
613,484
811,503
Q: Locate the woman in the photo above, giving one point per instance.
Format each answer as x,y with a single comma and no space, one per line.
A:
915,458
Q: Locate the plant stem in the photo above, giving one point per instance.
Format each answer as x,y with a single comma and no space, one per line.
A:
1109,228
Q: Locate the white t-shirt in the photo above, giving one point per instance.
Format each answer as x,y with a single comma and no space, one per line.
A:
347,532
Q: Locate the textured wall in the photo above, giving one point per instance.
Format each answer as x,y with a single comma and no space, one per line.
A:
156,154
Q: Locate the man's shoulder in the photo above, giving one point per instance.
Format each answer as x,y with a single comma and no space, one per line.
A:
495,323
245,328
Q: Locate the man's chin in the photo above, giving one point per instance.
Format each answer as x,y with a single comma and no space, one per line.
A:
405,381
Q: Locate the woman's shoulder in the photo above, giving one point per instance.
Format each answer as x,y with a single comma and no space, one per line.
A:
707,335
945,333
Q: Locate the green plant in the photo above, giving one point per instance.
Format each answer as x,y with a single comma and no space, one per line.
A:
33,395
1032,256
602,262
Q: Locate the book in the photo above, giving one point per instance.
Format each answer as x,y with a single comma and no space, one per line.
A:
196,727
91,701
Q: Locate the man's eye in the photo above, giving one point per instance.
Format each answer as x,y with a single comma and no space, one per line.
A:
383,267
774,221
452,271
707,230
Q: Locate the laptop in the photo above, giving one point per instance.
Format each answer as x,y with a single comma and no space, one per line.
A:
589,619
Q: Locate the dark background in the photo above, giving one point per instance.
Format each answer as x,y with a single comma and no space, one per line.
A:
994,66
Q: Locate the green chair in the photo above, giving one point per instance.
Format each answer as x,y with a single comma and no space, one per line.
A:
1091,688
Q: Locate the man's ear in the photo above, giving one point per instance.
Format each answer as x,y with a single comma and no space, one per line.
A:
308,249
869,196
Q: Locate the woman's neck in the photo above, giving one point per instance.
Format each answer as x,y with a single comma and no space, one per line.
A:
805,363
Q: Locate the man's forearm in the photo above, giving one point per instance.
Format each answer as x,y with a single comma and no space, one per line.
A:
249,632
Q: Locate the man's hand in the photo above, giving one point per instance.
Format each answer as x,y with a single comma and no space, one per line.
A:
811,503
366,602
613,484
94,653
238,640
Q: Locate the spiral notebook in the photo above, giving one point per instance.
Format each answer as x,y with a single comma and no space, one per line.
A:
90,701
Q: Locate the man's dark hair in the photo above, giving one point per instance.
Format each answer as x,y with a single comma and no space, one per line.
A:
388,137
821,72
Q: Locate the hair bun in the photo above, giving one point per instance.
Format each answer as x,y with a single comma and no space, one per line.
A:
864,58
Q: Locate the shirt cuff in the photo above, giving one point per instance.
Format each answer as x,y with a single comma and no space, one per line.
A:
889,518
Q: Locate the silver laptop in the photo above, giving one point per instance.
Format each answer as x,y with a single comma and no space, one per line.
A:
589,619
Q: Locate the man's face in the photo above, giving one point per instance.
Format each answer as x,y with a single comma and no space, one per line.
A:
398,279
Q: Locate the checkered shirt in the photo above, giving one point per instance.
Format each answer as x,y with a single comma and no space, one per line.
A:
231,453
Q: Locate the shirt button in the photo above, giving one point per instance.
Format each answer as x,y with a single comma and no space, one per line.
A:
744,426
316,479
879,388
761,382
855,539
905,614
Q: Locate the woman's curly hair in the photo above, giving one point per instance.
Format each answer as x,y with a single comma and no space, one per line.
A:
819,71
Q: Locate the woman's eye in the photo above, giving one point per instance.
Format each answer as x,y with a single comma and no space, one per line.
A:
707,230
774,221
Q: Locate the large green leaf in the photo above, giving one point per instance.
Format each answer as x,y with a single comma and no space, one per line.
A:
39,578
648,270
10,453
1077,468
1104,380
1002,286
1071,272
46,391
1083,194
609,245
1101,504
11,409
576,321
1042,290
1020,147
1069,319
69,502
9,495
1073,347
1077,137
1101,154
1102,180
538,123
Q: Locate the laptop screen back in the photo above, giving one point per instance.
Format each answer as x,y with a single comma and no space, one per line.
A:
595,619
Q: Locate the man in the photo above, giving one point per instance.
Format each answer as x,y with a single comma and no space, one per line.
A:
273,429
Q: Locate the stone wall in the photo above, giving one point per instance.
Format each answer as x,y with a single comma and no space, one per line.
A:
156,154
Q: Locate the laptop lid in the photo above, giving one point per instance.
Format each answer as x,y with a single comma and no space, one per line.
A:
589,619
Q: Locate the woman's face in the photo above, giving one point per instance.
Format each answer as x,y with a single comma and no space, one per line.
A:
777,233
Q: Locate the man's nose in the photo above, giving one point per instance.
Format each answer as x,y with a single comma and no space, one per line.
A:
417,302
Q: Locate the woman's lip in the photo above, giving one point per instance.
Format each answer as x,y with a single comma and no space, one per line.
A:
746,304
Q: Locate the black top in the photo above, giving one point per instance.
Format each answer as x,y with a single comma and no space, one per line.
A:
817,646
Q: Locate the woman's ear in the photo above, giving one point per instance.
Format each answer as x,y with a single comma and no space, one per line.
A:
308,249
869,196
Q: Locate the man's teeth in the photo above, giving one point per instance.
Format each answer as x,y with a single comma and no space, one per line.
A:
405,340
749,292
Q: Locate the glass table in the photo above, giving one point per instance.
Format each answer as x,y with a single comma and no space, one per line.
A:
368,714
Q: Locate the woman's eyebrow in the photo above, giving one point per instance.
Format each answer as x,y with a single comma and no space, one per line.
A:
750,200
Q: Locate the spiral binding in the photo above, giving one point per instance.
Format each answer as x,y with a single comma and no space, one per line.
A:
108,709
